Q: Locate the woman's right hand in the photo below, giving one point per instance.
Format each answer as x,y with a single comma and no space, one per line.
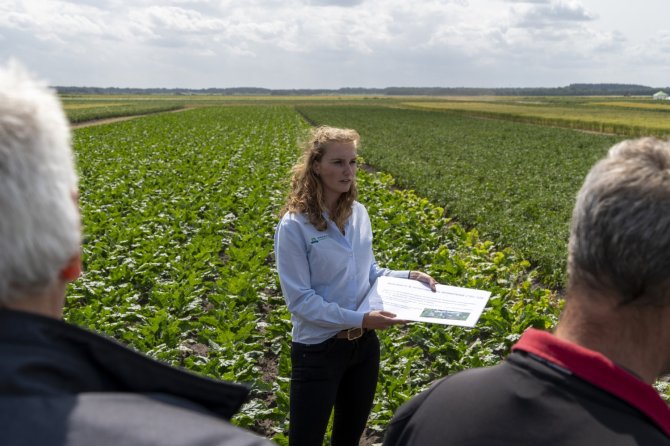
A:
380,320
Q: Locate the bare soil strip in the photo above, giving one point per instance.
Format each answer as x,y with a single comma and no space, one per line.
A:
122,118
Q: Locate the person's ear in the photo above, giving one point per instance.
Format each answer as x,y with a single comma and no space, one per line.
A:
72,270
316,168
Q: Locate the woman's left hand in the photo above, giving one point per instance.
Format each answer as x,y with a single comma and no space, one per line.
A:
423,277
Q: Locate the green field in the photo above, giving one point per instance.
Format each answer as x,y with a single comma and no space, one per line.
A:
514,182
89,109
179,210
83,108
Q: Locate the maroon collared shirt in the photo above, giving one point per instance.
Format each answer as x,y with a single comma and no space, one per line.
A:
547,392
598,370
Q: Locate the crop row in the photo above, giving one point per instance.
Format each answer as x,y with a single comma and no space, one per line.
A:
78,111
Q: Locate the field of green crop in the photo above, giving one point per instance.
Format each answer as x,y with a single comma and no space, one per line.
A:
179,211
514,182
84,108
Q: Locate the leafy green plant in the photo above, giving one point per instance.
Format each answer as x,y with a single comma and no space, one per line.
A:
179,212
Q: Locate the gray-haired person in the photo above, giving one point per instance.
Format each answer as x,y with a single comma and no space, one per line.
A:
590,382
59,384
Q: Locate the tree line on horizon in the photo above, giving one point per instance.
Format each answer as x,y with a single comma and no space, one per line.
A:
570,90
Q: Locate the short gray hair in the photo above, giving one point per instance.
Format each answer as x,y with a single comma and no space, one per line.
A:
39,221
620,235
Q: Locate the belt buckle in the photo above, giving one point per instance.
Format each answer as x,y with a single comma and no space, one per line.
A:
354,333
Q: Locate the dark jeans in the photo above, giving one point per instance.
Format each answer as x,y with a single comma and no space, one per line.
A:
337,373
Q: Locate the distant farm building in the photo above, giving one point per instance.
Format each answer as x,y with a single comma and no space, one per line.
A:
661,95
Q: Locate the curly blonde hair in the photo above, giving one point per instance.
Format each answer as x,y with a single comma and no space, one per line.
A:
306,193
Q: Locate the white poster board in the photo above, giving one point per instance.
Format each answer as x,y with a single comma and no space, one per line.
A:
415,301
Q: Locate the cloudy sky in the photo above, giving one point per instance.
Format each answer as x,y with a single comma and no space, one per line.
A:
338,43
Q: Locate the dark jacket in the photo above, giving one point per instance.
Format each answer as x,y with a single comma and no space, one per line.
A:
528,400
62,385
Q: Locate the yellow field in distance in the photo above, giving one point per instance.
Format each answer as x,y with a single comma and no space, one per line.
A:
638,118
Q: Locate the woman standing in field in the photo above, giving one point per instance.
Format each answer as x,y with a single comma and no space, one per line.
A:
323,247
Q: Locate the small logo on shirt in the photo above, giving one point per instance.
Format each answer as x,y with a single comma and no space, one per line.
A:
318,239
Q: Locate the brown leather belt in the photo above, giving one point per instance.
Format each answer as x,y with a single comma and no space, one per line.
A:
351,334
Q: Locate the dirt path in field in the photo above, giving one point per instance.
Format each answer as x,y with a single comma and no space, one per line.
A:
80,125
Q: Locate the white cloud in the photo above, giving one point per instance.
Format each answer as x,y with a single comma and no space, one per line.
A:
654,54
344,3
57,22
553,14
528,1
177,19
330,43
